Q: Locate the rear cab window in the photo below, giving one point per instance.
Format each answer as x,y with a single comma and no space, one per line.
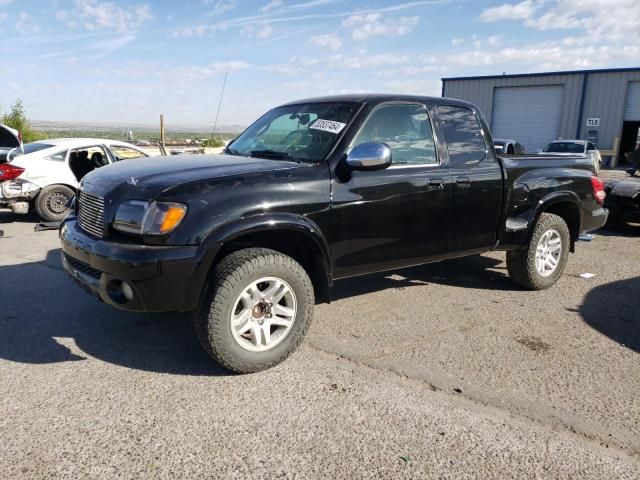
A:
463,135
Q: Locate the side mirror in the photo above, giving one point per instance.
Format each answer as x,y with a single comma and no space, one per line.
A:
369,156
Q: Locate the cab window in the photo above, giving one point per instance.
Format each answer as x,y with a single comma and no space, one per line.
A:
406,129
463,133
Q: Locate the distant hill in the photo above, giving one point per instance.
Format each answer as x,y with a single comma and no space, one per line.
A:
140,128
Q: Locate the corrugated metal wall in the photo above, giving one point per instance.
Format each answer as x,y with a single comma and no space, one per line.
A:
605,98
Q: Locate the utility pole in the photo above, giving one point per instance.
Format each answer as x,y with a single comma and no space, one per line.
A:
162,130
215,123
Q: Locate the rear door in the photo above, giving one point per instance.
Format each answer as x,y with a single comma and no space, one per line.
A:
477,179
398,216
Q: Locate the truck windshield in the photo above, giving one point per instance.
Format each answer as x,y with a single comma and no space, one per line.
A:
303,133
564,147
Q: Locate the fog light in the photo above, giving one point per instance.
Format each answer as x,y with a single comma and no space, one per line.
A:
127,291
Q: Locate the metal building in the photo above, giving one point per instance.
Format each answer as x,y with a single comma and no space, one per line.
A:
598,105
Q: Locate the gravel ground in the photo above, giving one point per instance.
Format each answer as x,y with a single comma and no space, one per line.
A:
441,371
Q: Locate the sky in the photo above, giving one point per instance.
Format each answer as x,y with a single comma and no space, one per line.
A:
128,61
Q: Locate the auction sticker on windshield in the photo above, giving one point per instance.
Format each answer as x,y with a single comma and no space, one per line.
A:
328,126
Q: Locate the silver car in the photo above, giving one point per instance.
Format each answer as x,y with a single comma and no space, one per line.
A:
575,147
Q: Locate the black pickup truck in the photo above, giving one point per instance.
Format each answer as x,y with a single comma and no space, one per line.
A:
316,191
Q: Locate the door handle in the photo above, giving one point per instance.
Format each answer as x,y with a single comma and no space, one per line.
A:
463,182
436,184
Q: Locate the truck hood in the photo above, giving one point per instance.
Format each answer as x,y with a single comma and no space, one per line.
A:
150,176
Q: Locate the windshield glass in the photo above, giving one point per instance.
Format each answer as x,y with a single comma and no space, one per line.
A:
299,132
564,147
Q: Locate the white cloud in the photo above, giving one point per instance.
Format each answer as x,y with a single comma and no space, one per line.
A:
4,3
363,60
550,55
599,19
457,41
221,6
96,15
508,11
418,86
196,73
106,47
331,41
354,20
271,5
494,40
311,4
605,19
265,31
373,24
262,31
24,24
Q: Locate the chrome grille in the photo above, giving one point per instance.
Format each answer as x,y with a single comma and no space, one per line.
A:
91,214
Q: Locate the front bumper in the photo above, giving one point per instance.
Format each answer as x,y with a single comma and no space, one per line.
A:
160,278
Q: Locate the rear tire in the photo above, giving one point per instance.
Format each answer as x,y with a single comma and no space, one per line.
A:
539,265
241,326
51,202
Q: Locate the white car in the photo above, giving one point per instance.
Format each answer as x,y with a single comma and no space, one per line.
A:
47,173
575,147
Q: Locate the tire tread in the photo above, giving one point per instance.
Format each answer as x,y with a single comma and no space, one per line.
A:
230,271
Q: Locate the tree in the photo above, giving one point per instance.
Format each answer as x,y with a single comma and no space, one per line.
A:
214,142
16,118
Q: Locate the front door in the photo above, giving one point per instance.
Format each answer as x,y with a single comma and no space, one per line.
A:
395,217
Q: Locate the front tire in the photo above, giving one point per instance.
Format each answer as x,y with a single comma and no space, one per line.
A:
541,263
255,311
51,203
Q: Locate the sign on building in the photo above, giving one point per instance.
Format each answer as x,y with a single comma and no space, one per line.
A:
593,122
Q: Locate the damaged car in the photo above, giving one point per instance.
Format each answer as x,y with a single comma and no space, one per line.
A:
623,202
46,174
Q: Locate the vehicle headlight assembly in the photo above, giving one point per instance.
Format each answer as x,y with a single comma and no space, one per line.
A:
148,218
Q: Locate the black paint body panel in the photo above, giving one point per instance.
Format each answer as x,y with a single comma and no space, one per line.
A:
357,222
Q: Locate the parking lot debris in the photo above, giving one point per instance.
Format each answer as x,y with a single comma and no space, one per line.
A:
585,237
44,226
1,233
587,275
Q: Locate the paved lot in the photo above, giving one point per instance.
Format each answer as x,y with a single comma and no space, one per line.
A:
443,371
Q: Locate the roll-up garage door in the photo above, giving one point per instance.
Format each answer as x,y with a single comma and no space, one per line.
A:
529,115
632,109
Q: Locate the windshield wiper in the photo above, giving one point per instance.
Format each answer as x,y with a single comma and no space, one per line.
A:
276,155
231,151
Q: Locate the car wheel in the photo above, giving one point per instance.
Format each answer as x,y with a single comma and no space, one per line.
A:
255,311
541,263
51,203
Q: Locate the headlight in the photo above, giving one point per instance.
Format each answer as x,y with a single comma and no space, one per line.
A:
145,218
